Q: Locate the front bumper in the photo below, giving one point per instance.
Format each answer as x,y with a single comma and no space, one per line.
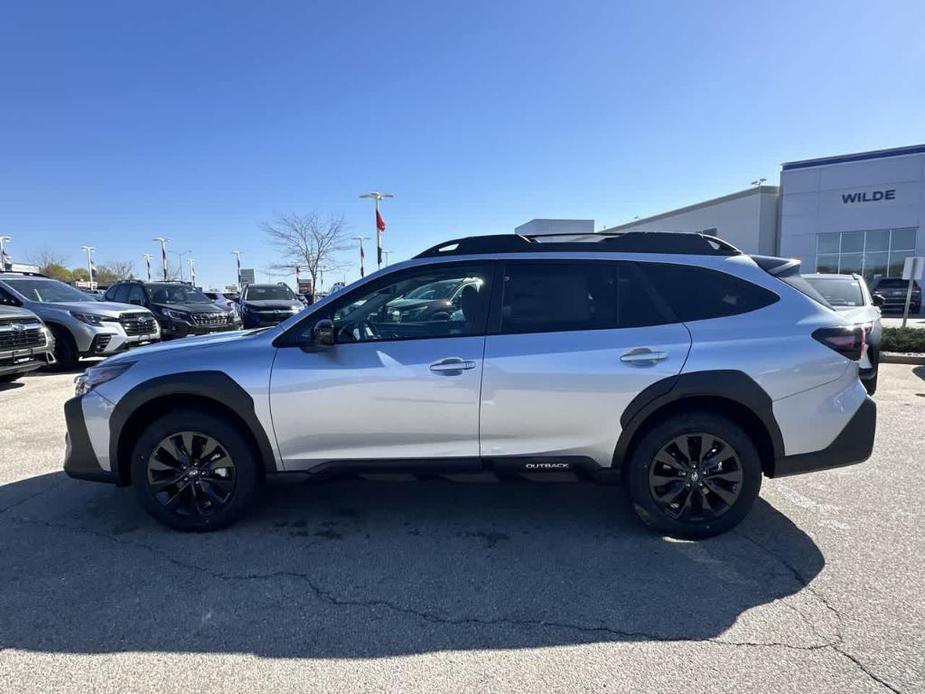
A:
262,320
177,328
853,445
80,460
22,361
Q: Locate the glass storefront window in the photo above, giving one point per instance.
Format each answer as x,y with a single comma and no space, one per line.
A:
897,260
871,253
877,240
852,242
827,263
827,243
903,240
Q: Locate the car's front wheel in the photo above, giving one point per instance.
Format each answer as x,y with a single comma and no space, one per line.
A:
694,475
194,471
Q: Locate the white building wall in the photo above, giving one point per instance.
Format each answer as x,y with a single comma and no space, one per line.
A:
817,199
747,220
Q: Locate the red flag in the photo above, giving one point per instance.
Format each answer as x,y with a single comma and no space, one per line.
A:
380,222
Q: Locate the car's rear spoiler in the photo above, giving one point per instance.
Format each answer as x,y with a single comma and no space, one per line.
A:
779,267
787,270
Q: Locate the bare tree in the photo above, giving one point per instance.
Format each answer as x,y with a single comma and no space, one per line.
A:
52,264
114,270
308,241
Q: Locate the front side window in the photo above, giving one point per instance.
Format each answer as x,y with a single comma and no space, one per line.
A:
429,302
136,295
120,293
568,296
46,290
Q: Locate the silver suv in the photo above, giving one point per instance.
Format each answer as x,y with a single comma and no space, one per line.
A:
670,361
81,326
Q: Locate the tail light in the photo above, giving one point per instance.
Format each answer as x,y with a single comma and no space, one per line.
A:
848,341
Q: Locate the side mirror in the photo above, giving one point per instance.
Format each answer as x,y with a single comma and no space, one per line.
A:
323,333
878,300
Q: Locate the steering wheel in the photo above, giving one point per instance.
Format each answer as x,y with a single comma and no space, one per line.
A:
366,331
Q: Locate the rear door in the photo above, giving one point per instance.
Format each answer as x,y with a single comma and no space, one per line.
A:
574,342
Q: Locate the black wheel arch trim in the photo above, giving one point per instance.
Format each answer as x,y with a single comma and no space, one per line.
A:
726,384
210,385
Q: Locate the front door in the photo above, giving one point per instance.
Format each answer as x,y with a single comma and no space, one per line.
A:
402,381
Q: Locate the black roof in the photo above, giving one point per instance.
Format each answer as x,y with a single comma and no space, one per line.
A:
618,242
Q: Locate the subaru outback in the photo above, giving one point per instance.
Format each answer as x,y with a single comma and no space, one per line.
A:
671,362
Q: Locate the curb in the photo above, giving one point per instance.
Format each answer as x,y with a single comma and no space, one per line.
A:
902,358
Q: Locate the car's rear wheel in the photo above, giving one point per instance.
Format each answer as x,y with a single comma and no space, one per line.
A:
694,475
194,471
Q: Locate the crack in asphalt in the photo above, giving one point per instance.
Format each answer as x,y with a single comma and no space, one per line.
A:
30,497
334,599
837,645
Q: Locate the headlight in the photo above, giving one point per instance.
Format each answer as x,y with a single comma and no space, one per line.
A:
176,315
89,318
295,309
98,375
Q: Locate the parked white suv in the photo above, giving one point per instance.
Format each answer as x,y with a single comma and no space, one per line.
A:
670,361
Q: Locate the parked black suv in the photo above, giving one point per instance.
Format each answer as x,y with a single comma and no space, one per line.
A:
893,290
180,309
268,304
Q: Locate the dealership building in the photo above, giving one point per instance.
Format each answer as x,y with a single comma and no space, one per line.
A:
860,213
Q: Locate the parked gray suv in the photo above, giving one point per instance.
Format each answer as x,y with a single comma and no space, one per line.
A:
672,362
81,326
25,343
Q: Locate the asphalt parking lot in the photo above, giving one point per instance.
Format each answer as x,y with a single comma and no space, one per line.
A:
432,586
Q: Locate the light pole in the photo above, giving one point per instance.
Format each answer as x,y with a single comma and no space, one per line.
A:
163,253
758,182
3,241
237,255
180,260
192,271
89,250
380,223
148,265
361,239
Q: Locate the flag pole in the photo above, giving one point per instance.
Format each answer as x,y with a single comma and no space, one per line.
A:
380,224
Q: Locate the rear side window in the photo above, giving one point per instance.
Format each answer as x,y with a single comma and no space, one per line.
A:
136,295
696,293
578,295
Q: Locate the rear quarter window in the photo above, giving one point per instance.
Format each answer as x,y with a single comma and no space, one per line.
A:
696,293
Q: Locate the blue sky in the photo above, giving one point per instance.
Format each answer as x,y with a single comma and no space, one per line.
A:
198,121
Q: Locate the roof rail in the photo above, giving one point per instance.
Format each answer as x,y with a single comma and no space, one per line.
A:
689,243
26,273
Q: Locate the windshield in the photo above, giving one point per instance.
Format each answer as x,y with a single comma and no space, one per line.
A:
839,291
272,292
176,294
434,290
46,290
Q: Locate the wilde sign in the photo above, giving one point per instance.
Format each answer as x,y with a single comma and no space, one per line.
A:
872,196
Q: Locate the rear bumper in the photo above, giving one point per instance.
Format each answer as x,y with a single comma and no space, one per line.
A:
80,461
853,445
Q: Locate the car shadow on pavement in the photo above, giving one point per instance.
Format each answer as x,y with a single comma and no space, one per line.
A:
361,569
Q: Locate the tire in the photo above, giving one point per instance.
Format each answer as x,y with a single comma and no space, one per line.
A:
870,384
198,497
706,504
66,355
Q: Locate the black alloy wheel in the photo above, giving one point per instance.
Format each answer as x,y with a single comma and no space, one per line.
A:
695,477
191,474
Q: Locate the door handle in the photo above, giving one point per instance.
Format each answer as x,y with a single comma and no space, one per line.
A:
642,355
452,364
